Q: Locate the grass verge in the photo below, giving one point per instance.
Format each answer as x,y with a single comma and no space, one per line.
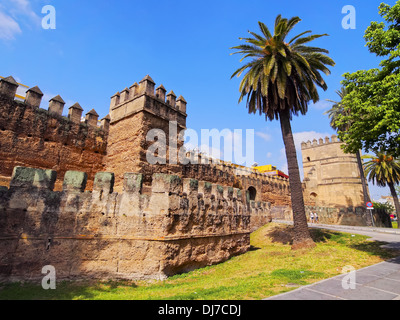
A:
268,269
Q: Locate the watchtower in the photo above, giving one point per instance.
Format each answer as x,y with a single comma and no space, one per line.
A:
134,113
332,177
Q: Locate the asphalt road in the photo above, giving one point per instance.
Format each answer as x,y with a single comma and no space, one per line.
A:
377,282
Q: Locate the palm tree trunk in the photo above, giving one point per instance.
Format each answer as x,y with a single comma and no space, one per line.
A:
370,219
302,237
396,201
363,179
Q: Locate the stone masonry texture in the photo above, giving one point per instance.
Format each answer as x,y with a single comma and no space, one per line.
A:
80,194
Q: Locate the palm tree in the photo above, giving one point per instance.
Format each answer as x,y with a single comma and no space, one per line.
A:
281,79
384,170
337,110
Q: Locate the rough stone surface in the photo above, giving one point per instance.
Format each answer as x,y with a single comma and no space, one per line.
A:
128,235
332,178
138,220
33,137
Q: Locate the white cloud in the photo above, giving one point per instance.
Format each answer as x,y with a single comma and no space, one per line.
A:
12,14
265,136
23,8
321,105
9,28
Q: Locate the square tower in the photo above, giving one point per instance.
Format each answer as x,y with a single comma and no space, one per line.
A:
332,177
139,116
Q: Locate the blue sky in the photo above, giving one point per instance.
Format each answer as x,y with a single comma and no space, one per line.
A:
101,47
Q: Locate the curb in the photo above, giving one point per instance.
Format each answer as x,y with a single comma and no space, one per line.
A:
331,226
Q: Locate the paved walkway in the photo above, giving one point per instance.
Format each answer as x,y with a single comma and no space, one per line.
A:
377,282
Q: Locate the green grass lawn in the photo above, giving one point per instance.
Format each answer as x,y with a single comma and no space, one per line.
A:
269,268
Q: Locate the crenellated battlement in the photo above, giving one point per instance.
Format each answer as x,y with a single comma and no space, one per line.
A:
33,99
332,177
95,207
320,142
133,234
32,136
145,97
26,179
202,165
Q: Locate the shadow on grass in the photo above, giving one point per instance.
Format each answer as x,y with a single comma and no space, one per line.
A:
65,290
284,235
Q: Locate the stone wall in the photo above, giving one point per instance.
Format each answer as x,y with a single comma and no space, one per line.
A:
31,136
272,189
181,225
134,112
350,216
339,216
331,177
137,110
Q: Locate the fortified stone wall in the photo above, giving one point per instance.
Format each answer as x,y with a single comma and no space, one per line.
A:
31,136
341,216
161,220
350,216
332,178
272,189
134,112
181,225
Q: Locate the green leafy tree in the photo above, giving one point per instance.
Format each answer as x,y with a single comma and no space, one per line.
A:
373,95
387,206
384,170
281,79
338,109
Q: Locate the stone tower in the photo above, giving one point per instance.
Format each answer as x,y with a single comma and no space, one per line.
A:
134,113
331,177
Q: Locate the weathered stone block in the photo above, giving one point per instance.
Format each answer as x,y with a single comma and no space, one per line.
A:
166,183
190,186
8,87
34,97
104,181
133,182
23,177
75,181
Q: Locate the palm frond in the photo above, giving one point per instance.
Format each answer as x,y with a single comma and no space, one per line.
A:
281,76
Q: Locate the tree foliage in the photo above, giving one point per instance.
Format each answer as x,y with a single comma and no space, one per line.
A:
281,75
281,78
373,96
384,170
387,206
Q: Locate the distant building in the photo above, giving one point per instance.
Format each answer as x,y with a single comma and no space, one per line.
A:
271,170
331,177
385,199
